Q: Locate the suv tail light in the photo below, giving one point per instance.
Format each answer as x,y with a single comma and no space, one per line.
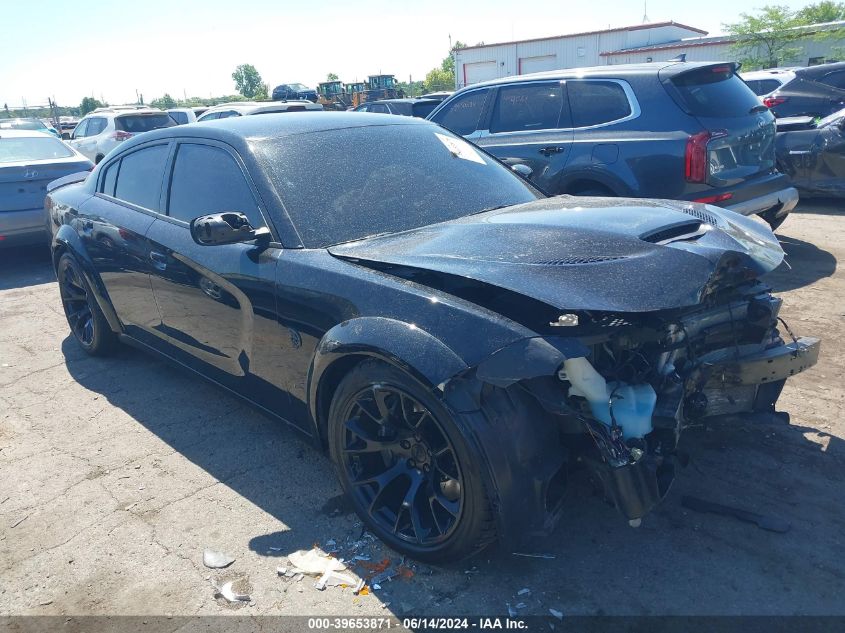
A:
771,102
120,135
695,157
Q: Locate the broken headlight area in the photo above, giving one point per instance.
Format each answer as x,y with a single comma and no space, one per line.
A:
620,407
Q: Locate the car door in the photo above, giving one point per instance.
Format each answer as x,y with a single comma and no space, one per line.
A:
530,125
113,224
78,139
217,302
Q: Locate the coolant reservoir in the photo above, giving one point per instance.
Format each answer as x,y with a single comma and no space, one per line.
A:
633,405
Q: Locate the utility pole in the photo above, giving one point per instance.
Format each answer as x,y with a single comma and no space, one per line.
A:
645,11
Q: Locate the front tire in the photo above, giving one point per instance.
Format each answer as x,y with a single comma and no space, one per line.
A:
87,323
407,467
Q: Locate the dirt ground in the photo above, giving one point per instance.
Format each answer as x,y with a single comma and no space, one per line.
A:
116,474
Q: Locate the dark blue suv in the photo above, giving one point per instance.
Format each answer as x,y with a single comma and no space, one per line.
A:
677,130
286,92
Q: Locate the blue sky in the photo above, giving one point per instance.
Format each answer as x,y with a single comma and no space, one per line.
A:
110,49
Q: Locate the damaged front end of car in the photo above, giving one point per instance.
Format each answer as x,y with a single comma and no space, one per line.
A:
666,327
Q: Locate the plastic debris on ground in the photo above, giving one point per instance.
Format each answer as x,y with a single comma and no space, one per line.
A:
556,613
523,592
315,562
216,560
335,579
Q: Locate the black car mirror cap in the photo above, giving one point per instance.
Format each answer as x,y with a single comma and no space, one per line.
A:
229,227
523,170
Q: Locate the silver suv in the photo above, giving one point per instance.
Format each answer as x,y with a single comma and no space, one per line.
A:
105,128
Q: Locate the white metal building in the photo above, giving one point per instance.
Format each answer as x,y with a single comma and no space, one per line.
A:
660,41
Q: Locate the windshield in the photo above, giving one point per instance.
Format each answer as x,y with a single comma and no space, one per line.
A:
715,91
298,87
405,177
137,123
13,150
22,124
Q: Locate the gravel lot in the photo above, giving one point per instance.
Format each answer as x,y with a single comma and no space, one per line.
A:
116,474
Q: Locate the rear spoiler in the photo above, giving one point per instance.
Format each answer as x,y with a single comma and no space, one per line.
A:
67,180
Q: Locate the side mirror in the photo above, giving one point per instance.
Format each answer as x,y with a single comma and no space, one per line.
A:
523,170
230,227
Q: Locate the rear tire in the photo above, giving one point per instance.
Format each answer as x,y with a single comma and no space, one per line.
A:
597,191
407,467
87,322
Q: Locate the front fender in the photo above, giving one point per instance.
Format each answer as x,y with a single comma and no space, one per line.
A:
404,345
66,239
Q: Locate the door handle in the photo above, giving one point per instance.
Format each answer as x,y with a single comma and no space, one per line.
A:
548,151
159,260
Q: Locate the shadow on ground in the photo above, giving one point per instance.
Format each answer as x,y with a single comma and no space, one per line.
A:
25,266
678,562
804,264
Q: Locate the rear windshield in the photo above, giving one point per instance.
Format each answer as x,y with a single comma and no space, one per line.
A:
180,117
29,148
22,124
715,91
137,123
403,177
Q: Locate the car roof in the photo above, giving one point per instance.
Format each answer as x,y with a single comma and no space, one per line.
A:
821,69
22,118
614,70
404,100
280,124
9,133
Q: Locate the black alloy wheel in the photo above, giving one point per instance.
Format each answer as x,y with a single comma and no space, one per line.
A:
405,466
87,323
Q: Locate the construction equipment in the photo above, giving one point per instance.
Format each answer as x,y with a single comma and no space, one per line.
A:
333,96
376,87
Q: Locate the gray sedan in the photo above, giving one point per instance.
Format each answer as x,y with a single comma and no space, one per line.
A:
28,161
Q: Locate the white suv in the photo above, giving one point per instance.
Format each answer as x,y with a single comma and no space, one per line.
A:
105,128
244,108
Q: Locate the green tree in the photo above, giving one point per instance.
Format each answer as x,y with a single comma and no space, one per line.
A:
331,77
819,12
248,81
443,78
88,104
164,102
263,93
768,38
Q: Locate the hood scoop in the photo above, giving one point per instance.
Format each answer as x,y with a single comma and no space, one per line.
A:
685,231
701,214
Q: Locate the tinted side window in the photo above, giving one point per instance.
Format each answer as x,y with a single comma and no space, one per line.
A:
380,108
836,79
714,91
139,180
763,86
462,115
527,107
208,180
109,178
180,117
95,126
596,102
227,114
211,116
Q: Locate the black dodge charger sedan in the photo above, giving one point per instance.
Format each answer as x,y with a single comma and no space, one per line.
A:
458,342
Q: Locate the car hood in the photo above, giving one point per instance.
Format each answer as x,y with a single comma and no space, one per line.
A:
573,253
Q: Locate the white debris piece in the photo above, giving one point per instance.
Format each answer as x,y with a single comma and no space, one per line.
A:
523,592
216,560
556,613
334,579
229,594
315,562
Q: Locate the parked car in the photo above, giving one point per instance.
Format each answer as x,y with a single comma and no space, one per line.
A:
765,82
294,91
33,124
676,130
812,154
404,107
816,91
182,116
456,340
437,96
30,159
105,128
243,108
68,125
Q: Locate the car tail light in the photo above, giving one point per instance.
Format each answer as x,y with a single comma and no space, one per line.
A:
714,199
695,157
771,102
120,135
